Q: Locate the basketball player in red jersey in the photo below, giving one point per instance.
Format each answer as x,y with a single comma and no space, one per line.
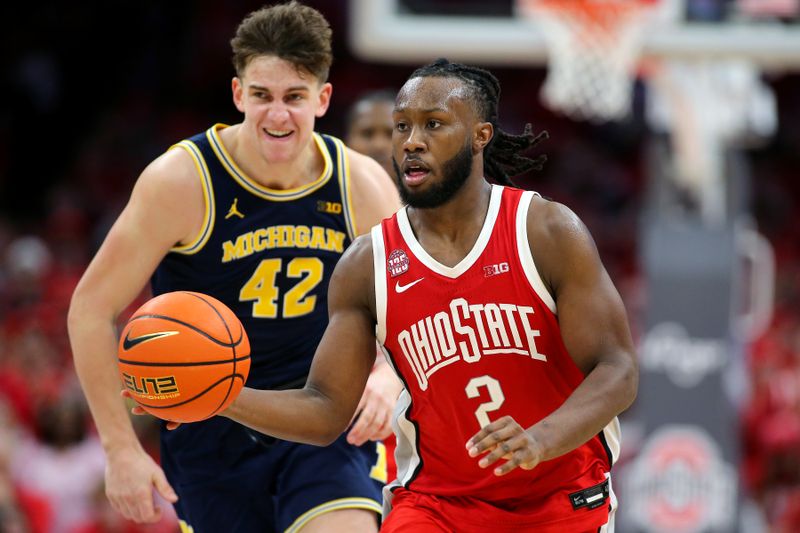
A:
493,306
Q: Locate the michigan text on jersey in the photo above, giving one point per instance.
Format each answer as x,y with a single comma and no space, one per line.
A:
285,236
466,332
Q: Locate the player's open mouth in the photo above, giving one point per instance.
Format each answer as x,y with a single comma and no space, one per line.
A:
415,172
278,134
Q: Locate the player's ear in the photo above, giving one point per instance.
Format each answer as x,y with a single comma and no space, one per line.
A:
238,93
482,134
324,99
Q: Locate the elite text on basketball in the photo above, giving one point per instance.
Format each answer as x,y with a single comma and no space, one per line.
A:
151,388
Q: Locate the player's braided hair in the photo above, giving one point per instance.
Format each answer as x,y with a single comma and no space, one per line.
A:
501,157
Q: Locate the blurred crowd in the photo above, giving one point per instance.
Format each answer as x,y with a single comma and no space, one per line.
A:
81,130
771,419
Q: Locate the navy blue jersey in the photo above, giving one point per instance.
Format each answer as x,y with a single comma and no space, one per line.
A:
268,254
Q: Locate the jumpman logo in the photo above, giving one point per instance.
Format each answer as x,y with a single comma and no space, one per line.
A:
233,210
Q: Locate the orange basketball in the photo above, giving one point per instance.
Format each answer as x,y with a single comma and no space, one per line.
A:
184,356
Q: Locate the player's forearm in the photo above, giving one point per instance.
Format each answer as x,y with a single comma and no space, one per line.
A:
302,415
608,389
93,341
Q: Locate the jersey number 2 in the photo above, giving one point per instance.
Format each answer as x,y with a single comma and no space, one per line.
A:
496,397
263,291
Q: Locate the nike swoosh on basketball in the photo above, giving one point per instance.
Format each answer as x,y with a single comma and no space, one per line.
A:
128,343
403,288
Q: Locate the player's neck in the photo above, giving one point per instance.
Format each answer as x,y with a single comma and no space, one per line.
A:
469,203
458,222
282,175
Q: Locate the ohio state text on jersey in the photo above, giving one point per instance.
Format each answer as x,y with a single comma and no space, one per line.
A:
475,342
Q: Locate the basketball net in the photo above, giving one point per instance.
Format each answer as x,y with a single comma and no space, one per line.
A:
593,47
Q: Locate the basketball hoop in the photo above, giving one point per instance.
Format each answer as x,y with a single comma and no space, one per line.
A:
594,47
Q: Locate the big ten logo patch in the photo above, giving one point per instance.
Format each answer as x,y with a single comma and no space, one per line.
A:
158,387
496,269
397,263
333,208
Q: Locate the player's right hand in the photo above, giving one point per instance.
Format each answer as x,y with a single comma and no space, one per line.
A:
138,411
505,439
131,476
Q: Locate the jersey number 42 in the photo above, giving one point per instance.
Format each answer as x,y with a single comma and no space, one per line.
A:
262,290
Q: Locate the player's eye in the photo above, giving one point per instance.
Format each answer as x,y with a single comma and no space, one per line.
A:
433,124
401,126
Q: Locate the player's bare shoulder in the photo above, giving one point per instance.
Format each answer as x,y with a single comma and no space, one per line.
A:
173,172
365,170
553,221
375,195
353,280
557,238
170,189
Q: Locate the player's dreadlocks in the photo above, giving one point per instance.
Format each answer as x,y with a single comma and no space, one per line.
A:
501,157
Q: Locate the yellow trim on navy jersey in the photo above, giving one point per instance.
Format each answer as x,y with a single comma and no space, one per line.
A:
259,190
334,505
208,195
344,187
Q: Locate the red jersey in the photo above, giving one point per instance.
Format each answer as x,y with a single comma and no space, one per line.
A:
472,343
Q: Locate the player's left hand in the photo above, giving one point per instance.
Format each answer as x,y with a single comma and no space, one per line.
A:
373,417
505,439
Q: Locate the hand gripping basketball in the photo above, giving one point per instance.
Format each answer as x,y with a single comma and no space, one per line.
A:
184,356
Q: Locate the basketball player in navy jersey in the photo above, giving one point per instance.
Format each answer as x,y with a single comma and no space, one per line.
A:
495,309
257,215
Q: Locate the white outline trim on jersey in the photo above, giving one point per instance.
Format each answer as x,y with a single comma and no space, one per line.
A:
608,527
613,435
524,252
477,248
406,453
379,262
209,213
